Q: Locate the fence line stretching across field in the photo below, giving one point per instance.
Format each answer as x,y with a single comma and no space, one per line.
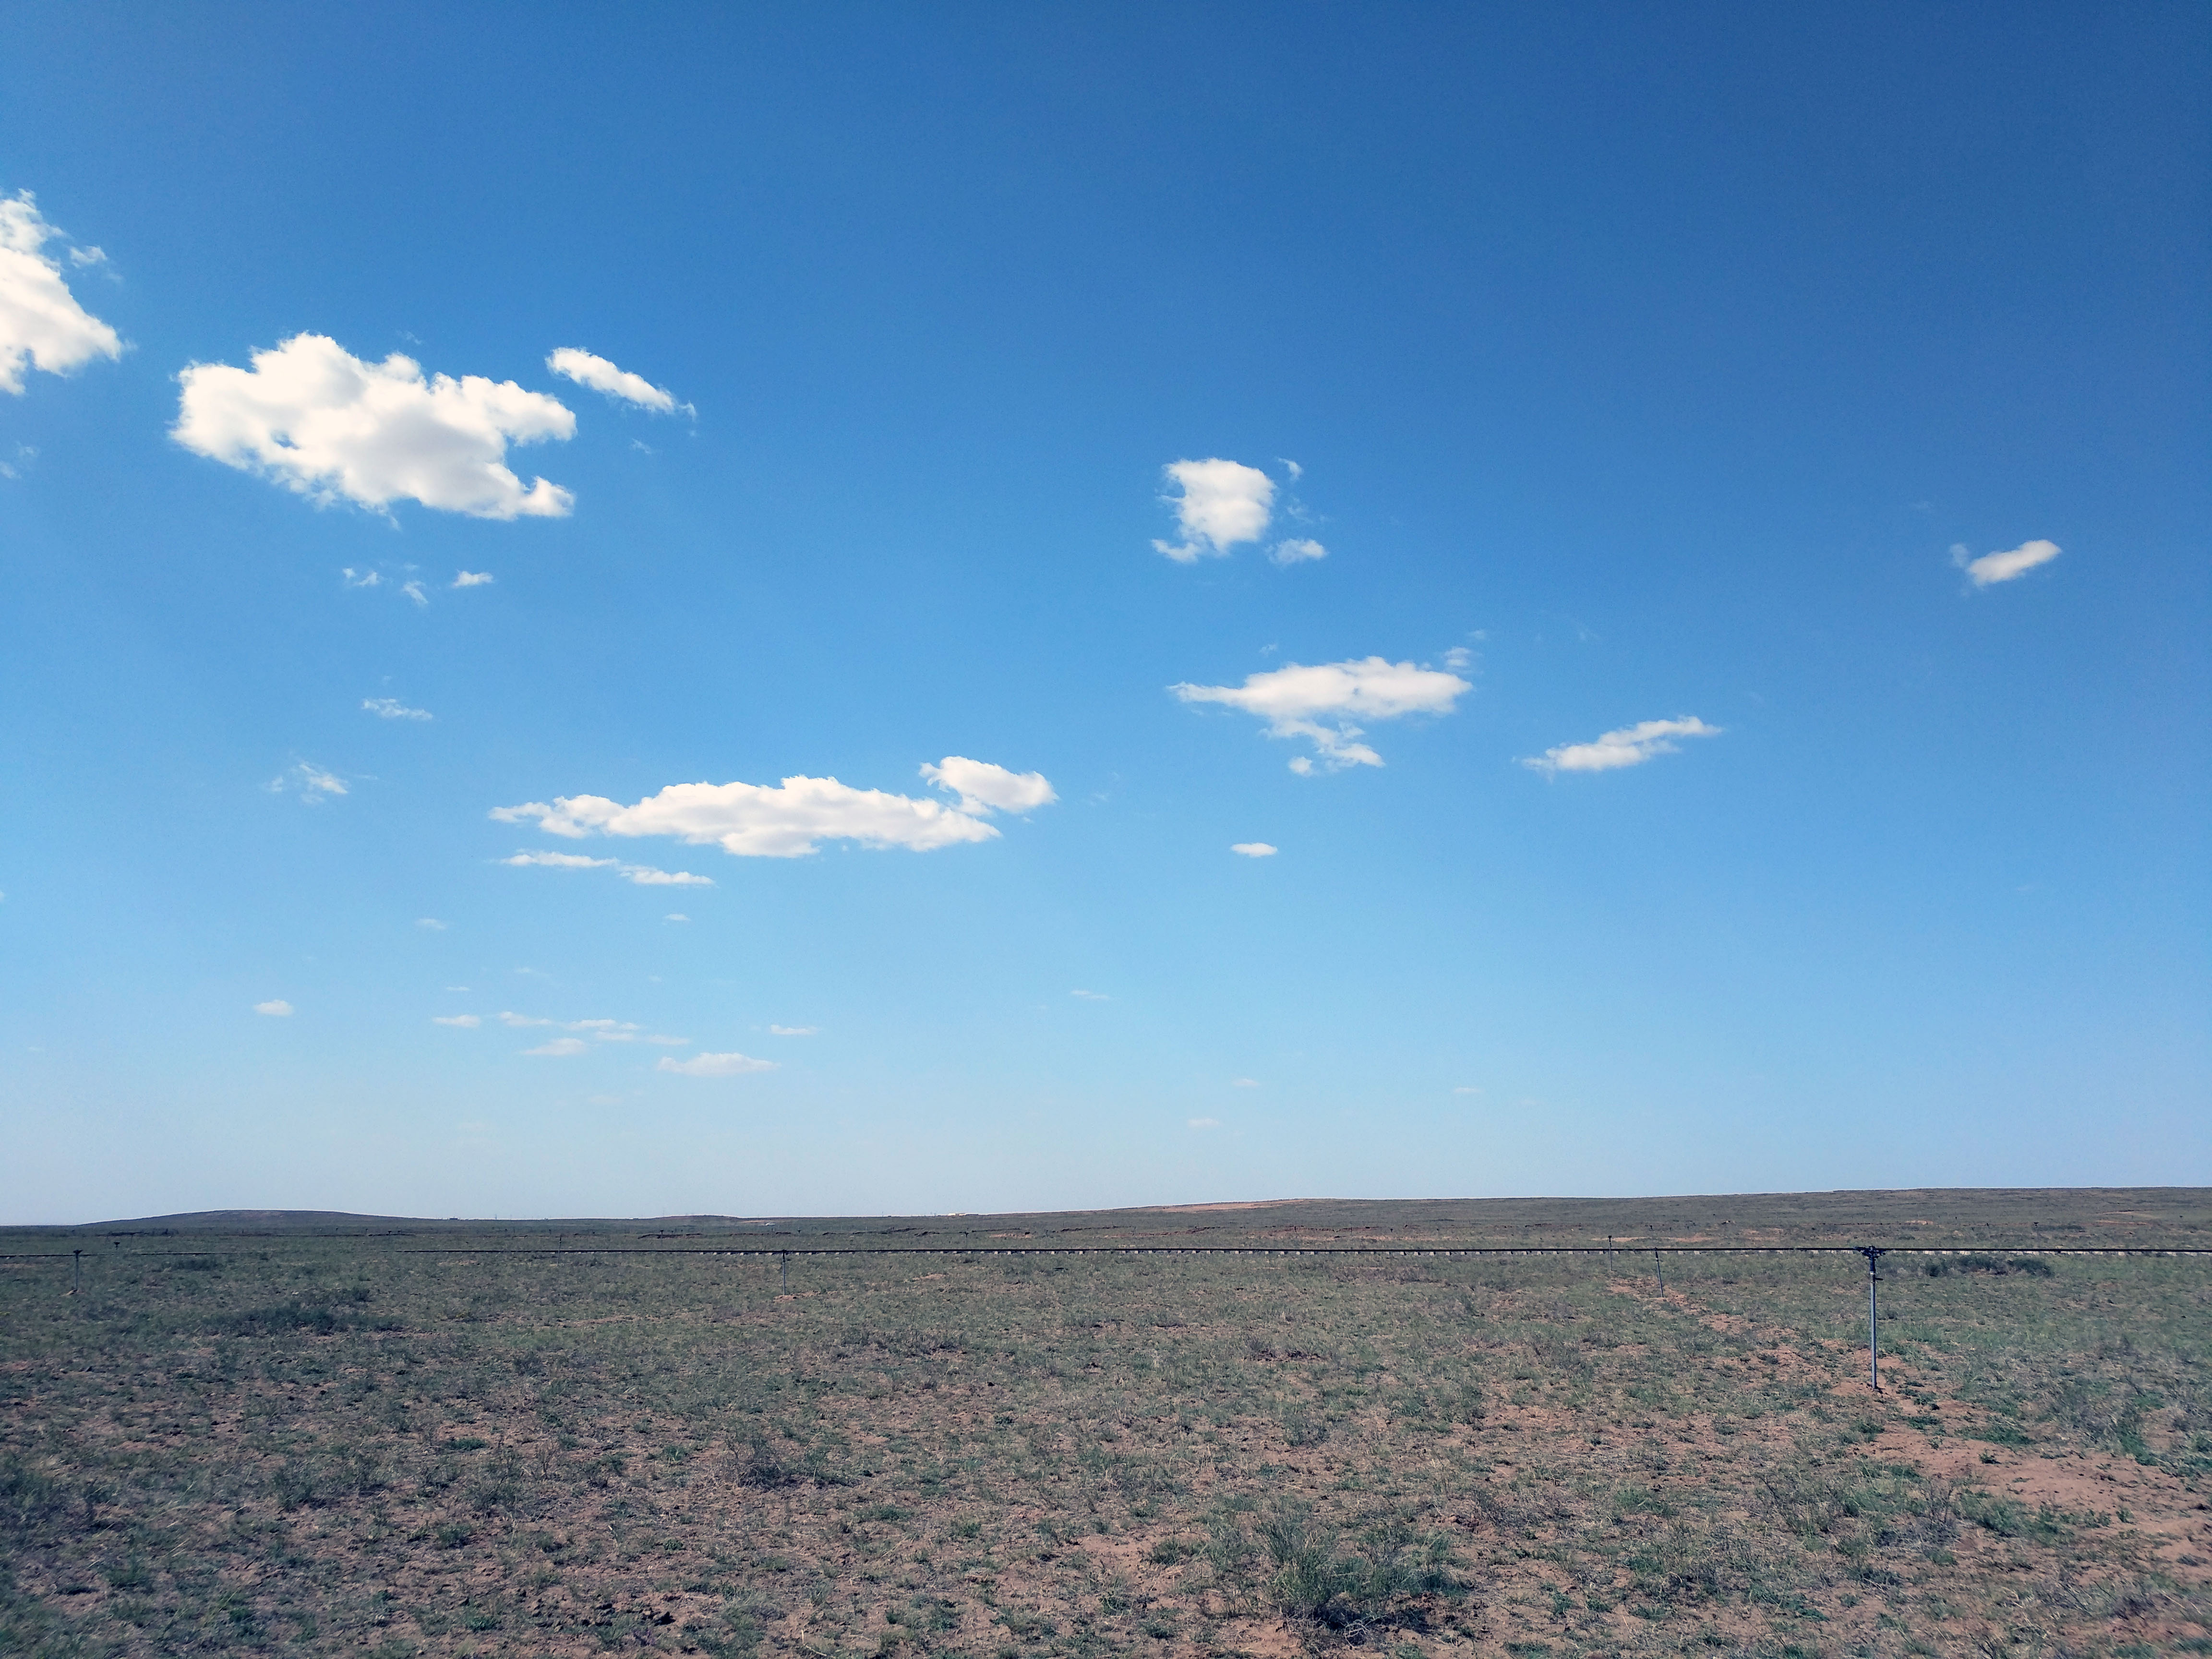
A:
1611,1250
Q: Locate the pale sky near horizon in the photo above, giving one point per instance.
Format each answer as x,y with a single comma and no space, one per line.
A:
849,609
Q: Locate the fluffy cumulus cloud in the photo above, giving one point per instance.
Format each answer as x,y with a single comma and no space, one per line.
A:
319,420
1324,703
473,579
983,787
41,324
1993,567
275,1009
1252,849
730,1064
790,819
1632,745
1218,504
600,375
1298,549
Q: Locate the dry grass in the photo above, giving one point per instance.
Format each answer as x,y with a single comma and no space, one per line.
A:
314,1445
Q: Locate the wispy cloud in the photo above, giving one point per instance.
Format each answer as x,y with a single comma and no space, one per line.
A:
1993,568
559,1049
462,1022
1245,1083
729,1065
1205,1122
1295,701
791,818
1253,849
1299,550
676,915
431,923
600,375
1632,745
1090,996
599,1031
41,324
1218,504
473,579
276,1008
313,418
793,1030
390,708
308,781
644,875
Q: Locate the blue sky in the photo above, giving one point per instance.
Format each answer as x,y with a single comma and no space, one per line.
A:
1559,453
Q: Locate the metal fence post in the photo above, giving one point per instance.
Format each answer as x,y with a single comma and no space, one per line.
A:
1874,1316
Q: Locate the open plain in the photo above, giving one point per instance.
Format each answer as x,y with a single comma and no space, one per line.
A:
318,1434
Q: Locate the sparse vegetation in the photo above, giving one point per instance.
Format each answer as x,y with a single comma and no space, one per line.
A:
325,1446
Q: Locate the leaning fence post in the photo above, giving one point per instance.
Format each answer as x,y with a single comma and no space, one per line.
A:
1659,1268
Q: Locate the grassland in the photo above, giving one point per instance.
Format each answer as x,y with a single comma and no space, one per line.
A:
342,1436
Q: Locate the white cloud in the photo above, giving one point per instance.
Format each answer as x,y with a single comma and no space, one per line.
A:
1993,568
431,922
390,708
786,820
309,782
599,1030
644,875
600,374
1458,656
1294,700
731,1065
315,418
1253,849
413,590
1205,1123
1221,503
560,1048
462,1022
1632,745
1246,1083
1292,467
276,1009
40,321
1091,996
983,787
647,875
1298,549
83,258
676,915
793,1030
473,579
357,579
